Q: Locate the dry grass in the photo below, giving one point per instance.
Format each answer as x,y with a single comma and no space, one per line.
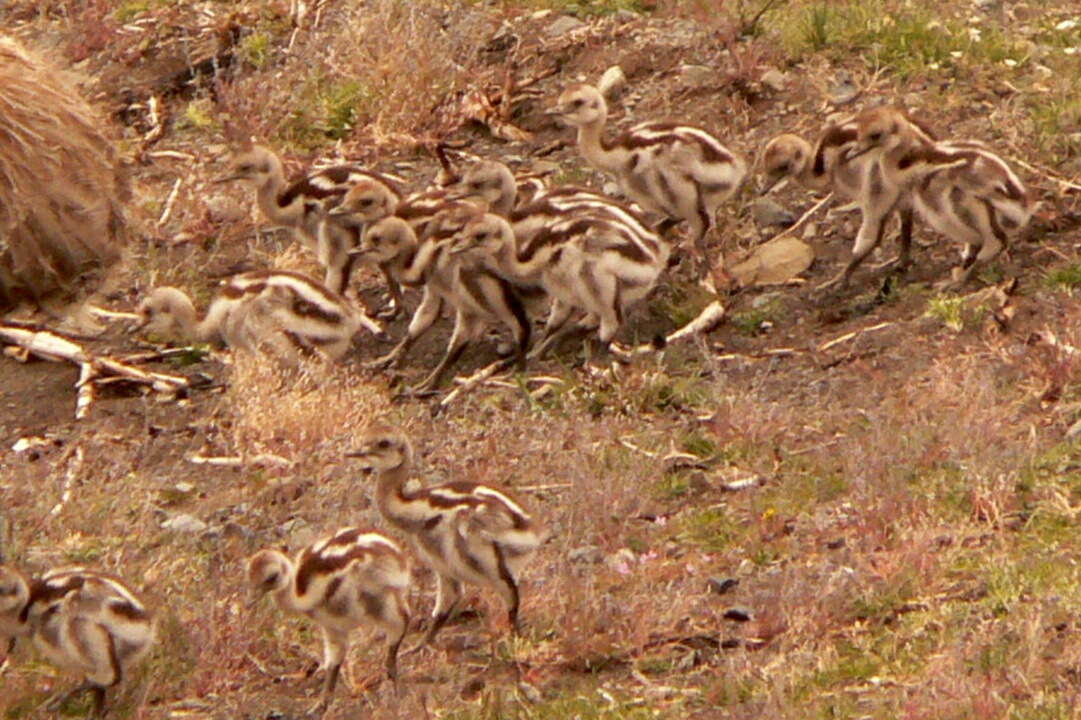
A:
899,511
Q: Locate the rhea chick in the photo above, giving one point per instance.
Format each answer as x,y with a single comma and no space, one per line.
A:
961,188
465,531
81,620
349,579
587,262
676,170
282,312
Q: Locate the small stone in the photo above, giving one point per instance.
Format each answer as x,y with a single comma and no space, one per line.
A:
185,523
611,188
563,25
622,560
737,614
697,75
844,90
836,544
774,79
720,585
767,213
590,554
612,82
530,693
184,488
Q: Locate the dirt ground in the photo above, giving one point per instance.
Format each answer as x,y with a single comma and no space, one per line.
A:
826,403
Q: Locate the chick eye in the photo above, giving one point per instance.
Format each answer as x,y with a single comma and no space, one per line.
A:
875,136
383,444
578,103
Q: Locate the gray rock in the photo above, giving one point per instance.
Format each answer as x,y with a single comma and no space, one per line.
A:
590,554
697,75
721,585
774,79
767,213
185,523
612,82
737,614
563,25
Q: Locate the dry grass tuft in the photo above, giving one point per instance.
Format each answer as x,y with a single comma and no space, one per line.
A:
292,413
381,73
61,190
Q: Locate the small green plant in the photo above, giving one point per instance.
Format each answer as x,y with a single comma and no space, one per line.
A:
753,320
199,114
956,313
815,27
130,10
1064,278
255,49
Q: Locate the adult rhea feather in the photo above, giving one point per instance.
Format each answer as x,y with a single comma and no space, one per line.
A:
62,192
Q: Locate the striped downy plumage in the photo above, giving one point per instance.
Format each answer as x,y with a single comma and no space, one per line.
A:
301,205
826,167
961,188
81,620
679,171
588,262
351,578
478,296
284,313
466,532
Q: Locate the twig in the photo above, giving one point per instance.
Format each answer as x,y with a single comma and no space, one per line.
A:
710,316
803,218
169,201
53,346
467,384
848,336
1047,173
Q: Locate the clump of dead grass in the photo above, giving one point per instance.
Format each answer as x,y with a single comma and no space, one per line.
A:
385,72
290,413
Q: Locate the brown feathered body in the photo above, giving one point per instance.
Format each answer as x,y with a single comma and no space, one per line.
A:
62,190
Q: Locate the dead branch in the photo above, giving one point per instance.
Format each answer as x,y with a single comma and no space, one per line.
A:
854,334
803,218
55,347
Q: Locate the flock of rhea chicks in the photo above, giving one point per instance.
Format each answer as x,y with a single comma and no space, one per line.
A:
496,249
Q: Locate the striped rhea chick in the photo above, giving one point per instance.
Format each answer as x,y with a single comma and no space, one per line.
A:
478,296
827,167
587,262
284,313
679,171
466,532
81,620
961,188
301,205
349,579
368,201
530,208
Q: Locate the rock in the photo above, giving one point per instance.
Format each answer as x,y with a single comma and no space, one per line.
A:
844,90
737,614
774,262
774,79
720,585
184,488
611,188
590,554
622,560
697,75
224,209
612,82
185,523
563,25
767,213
